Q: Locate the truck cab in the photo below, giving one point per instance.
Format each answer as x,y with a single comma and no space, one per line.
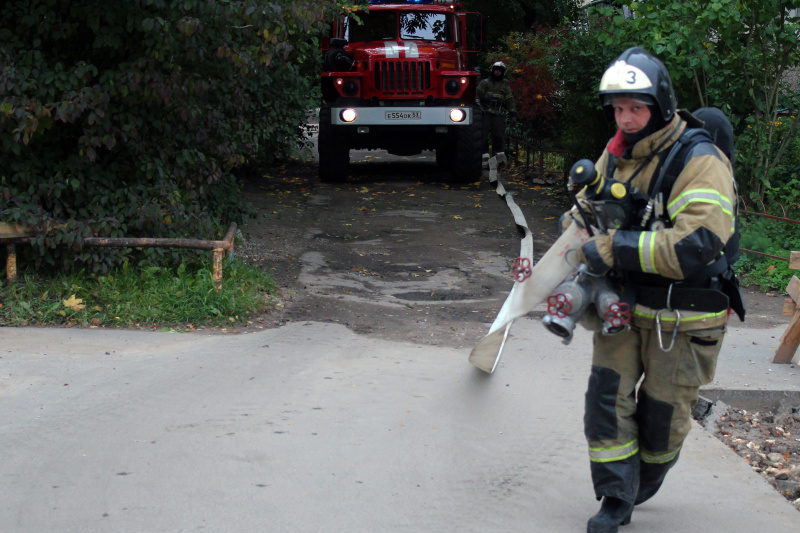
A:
396,77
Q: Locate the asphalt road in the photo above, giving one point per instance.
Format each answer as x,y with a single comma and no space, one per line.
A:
310,427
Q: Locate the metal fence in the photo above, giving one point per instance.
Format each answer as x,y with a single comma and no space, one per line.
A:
763,213
541,160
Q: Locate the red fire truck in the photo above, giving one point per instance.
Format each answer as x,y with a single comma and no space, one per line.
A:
396,77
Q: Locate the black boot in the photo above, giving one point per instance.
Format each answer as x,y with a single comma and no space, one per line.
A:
613,513
651,477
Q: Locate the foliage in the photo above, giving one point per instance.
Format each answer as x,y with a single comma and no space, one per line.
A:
130,118
532,82
767,236
770,236
554,71
182,298
732,54
507,16
579,63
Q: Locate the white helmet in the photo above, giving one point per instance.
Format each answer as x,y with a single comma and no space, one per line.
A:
637,74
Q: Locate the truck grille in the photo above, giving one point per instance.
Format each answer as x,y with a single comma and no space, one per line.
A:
402,76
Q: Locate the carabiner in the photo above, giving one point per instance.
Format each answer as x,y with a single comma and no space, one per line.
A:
674,331
677,323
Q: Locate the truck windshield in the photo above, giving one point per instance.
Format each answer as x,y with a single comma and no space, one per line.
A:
414,25
373,27
424,26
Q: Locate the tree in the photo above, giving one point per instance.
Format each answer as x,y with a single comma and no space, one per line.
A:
579,62
507,16
532,81
129,118
733,54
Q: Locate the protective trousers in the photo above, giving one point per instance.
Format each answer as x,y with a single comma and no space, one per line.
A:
496,124
632,432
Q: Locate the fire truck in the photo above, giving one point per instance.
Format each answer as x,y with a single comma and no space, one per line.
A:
396,77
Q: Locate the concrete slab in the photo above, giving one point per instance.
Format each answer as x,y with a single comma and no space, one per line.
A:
310,427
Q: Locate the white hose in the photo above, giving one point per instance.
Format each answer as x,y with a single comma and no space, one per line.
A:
525,295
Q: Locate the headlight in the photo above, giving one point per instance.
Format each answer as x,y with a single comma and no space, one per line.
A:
451,87
348,115
455,86
457,114
349,87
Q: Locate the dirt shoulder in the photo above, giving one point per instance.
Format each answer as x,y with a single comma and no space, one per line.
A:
400,253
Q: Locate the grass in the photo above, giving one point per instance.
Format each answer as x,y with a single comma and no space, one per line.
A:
773,237
154,297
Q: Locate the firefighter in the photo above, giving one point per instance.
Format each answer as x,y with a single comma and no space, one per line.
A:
496,100
675,270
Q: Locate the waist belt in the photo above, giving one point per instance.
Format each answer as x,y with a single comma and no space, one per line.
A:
683,298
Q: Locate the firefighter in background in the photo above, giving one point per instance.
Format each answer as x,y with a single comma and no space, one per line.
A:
675,268
495,98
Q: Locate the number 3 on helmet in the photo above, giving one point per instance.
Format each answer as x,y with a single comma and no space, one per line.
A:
634,74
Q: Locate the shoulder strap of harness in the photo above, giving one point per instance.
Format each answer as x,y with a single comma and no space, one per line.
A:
671,165
611,166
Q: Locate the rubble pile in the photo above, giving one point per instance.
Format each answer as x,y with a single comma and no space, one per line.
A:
769,441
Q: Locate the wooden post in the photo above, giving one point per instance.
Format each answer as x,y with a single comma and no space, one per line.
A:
786,352
217,268
11,263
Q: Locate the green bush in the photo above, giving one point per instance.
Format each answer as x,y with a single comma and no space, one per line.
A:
579,63
131,118
772,237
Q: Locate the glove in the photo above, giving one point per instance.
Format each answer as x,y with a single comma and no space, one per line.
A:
566,218
597,253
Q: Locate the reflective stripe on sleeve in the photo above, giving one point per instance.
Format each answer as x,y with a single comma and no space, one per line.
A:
699,195
647,252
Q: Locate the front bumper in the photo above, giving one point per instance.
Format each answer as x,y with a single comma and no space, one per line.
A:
401,116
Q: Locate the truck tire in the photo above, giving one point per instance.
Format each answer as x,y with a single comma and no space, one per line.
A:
469,145
334,149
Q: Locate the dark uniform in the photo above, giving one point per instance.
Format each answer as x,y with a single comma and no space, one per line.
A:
635,430
495,98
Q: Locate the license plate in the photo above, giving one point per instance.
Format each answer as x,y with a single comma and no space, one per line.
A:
403,115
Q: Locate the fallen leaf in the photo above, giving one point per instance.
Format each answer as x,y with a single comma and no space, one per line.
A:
76,304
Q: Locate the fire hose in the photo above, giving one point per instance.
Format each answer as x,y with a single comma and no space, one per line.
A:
569,290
